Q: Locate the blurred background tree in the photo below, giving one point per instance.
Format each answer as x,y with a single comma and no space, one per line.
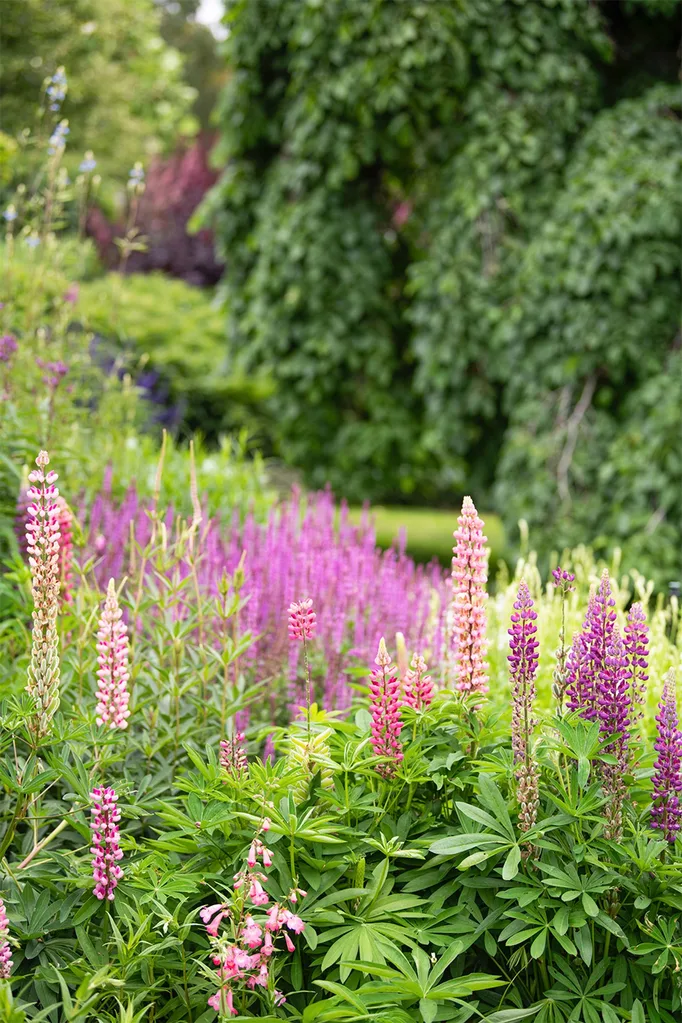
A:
451,234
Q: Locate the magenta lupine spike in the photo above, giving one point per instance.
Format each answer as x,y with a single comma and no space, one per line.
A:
523,666
637,651
105,849
563,580
42,536
384,695
418,685
613,711
5,950
233,757
666,811
468,613
112,658
302,619
588,656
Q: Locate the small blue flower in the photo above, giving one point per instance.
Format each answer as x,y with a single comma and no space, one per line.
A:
136,175
58,138
33,241
10,214
56,90
88,164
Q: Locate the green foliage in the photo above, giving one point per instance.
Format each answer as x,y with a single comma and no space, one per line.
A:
155,323
437,233
126,95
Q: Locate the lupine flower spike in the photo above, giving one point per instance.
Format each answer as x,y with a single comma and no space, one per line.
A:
112,658
637,652
587,658
563,582
42,537
666,810
302,623
613,711
418,685
233,758
468,618
105,838
523,666
5,950
384,694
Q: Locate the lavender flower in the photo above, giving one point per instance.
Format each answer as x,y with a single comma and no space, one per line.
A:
523,666
637,651
105,843
42,537
10,214
666,811
384,693
468,615
5,950
8,347
112,658
88,164
56,89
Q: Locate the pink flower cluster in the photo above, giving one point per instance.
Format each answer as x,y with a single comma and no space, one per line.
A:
418,687
385,702
302,619
245,954
42,537
468,615
112,658
5,950
105,838
233,758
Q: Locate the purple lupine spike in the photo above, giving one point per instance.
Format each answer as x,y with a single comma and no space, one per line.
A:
637,650
613,711
587,658
666,811
523,666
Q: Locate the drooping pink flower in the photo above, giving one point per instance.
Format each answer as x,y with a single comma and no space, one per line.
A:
384,694
302,619
105,843
233,758
418,685
666,809
42,537
468,619
252,933
637,651
112,658
5,950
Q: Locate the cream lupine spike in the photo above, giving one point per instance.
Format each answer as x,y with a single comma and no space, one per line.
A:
468,619
112,657
42,536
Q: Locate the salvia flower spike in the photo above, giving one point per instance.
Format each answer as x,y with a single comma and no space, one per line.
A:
105,849
384,694
112,658
5,950
666,810
523,666
468,619
42,537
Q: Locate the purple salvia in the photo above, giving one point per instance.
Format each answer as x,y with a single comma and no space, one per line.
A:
523,666
666,811
613,711
105,850
637,651
5,950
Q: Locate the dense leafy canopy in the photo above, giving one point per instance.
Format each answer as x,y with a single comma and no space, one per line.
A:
452,237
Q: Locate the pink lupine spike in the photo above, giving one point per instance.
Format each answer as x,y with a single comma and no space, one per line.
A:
5,950
112,658
418,685
302,619
468,619
42,539
105,843
384,693
233,759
